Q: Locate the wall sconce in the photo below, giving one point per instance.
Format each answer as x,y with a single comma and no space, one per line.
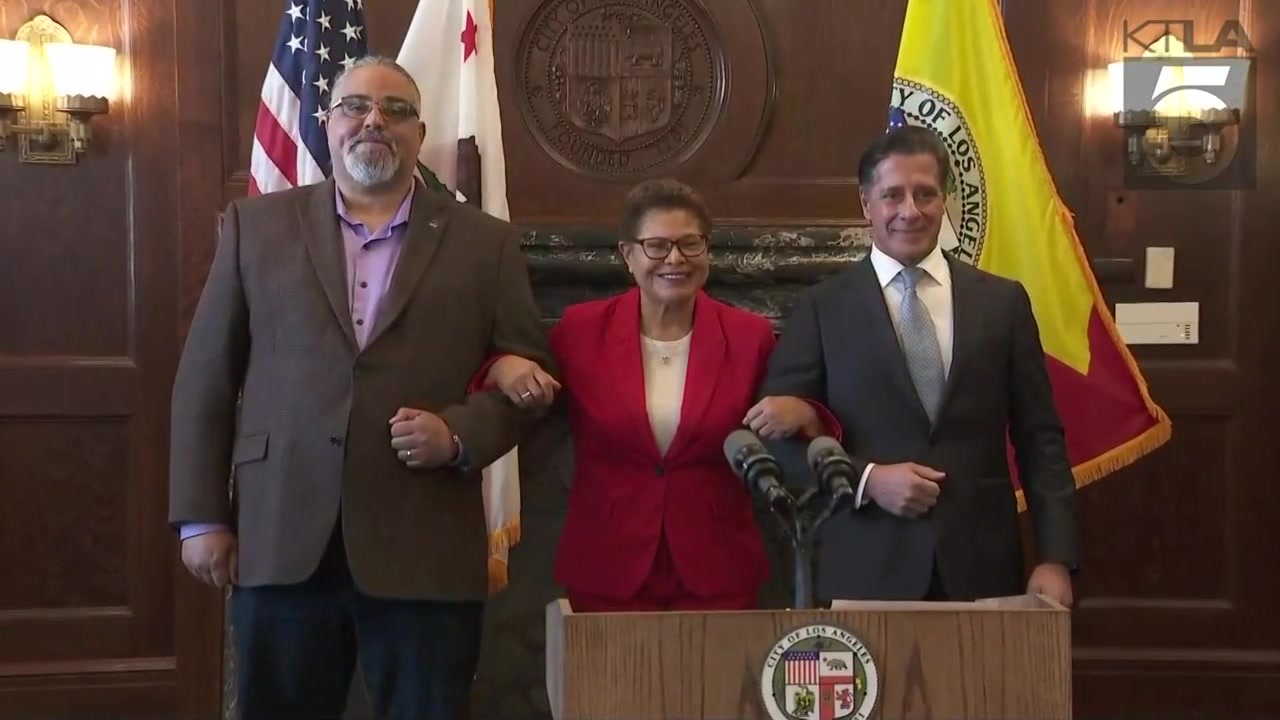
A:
43,76
1179,108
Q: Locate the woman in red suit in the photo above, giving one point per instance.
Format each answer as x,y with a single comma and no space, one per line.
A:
654,380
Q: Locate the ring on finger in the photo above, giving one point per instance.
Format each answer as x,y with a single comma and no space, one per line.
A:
526,395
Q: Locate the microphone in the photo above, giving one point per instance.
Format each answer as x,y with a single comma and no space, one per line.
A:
758,469
833,469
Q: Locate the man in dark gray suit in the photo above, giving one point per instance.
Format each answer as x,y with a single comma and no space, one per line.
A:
927,362
326,370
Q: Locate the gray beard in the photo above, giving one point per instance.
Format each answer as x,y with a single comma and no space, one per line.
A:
371,167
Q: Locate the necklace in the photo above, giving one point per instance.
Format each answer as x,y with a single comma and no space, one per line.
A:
665,350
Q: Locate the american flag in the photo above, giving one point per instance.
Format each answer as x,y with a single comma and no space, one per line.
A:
317,39
802,667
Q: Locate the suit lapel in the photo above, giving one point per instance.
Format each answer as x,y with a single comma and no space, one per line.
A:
706,357
323,238
624,354
869,303
966,324
421,242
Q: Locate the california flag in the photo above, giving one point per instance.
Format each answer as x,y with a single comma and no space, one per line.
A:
449,52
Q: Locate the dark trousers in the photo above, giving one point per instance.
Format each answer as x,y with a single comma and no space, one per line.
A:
936,591
297,646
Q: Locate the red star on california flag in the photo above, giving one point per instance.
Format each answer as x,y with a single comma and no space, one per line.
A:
469,38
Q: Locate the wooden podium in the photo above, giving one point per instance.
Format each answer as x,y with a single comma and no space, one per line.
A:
985,660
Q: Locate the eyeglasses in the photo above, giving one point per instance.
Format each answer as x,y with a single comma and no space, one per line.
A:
658,248
393,109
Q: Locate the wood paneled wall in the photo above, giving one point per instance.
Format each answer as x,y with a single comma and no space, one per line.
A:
89,305
102,264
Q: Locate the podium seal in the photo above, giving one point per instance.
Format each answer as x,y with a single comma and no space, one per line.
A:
819,672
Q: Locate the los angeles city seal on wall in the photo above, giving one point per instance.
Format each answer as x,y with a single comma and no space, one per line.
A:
819,672
610,87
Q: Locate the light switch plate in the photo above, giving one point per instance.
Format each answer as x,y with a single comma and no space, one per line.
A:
1159,274
1172,323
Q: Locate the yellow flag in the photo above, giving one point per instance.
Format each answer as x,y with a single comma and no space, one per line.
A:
955,74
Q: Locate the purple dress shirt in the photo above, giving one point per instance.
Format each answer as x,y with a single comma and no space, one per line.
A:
371,263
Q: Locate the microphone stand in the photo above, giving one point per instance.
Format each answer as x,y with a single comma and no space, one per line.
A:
802,553
801,527
800,517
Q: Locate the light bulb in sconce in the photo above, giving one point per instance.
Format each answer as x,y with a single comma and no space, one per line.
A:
1135,114
85,70
84,81
1168,110
13,66
1115,87
51,88
13,83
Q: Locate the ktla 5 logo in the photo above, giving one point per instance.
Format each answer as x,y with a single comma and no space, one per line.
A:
1185,87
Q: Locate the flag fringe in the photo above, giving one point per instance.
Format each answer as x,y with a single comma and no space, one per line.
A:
1160,433
504,538
500,543
1122,456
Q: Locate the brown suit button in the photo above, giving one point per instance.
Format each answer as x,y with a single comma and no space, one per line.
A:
335,441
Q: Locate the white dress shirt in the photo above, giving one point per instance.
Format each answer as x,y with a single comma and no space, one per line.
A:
934,289
665,366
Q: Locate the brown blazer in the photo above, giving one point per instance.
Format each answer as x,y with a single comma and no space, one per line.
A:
273,392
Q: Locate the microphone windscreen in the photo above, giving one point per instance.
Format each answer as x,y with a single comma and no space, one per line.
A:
823,446
739,440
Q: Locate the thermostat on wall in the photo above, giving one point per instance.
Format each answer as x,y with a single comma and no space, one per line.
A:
1171,323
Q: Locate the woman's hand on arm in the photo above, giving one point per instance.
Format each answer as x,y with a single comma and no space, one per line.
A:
523,381
783,416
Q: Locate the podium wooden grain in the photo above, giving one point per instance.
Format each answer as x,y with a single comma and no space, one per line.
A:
1002,658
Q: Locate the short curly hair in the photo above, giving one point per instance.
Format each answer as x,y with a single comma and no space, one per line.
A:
661,194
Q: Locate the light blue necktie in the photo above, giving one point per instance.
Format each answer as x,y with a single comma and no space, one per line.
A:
920,343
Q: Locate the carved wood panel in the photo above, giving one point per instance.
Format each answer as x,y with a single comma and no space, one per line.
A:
772,88
1178,594
89,302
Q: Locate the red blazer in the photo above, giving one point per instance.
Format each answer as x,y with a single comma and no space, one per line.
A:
624,491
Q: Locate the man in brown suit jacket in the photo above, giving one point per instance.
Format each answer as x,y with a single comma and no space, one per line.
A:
326,372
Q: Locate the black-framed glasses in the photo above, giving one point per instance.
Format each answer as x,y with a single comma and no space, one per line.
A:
658,248
358,107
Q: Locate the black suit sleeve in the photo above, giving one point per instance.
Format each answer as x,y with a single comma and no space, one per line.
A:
797,367
1038,440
